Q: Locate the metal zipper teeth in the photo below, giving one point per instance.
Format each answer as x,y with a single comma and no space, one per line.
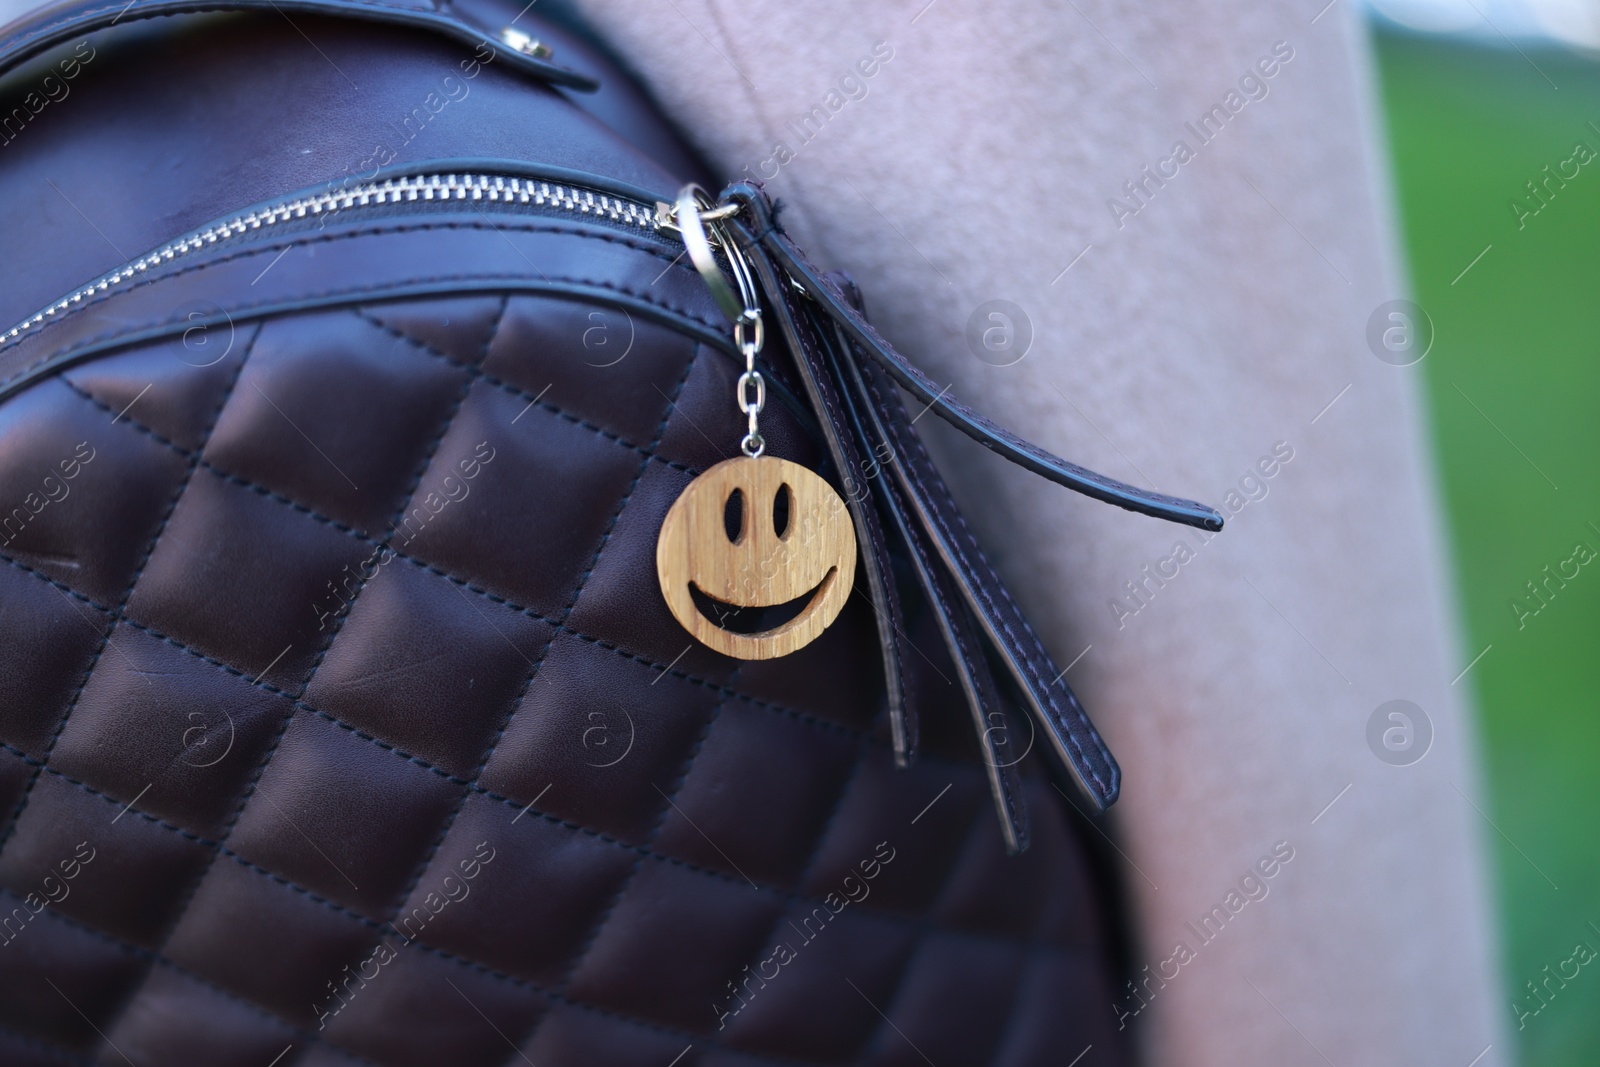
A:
423,187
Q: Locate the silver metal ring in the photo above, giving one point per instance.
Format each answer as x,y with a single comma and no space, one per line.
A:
690,200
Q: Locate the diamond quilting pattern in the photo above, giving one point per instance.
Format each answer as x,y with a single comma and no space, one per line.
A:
598,736
352,846
266,939
218,1028
185,734
137,866
46,659
673,935
456,329
624,594
91,969
356,681
796,795
416,642
519,531
171,387
593,343
90,530
330,410
530,858
241,578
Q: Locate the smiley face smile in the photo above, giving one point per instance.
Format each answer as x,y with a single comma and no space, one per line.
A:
758,544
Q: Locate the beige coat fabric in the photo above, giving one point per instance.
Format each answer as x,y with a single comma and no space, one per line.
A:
1188,204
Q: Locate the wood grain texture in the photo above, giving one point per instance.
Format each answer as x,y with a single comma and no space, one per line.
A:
813,556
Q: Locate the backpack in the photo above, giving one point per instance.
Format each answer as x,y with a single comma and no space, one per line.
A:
381,383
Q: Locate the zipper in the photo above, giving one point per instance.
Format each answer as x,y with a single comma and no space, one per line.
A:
390,192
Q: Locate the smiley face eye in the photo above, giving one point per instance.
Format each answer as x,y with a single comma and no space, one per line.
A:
781,503
733,515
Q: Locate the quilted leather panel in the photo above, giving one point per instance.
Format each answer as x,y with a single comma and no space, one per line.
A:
412,645
345,655
88,968
213,723
330,432
94,541
45,664
143,867
600,729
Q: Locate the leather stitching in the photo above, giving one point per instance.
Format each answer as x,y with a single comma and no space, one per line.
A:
522,394
272,494
789,896
141,952
959,634
805,873
848,460
811,348
811,721
953,625
667,804
981,588
839,799
357,292
839,306
727,692
127,594
421,868
515,704
43,1046
954,622
510,979
900,984
866,736
344,528
249,792
119,612
306,240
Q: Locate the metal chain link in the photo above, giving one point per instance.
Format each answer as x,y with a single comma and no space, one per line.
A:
753,444
750,334
702,229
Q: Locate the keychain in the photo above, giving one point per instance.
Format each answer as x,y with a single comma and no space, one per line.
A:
755,531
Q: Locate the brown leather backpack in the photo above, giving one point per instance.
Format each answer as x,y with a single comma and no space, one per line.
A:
357,361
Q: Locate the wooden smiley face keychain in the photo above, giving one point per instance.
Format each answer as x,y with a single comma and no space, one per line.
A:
755,531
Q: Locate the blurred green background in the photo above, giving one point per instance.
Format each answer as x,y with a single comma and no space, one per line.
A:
1518,335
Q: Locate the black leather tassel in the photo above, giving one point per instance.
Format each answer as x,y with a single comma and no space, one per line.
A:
954,622
844,448
853,377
